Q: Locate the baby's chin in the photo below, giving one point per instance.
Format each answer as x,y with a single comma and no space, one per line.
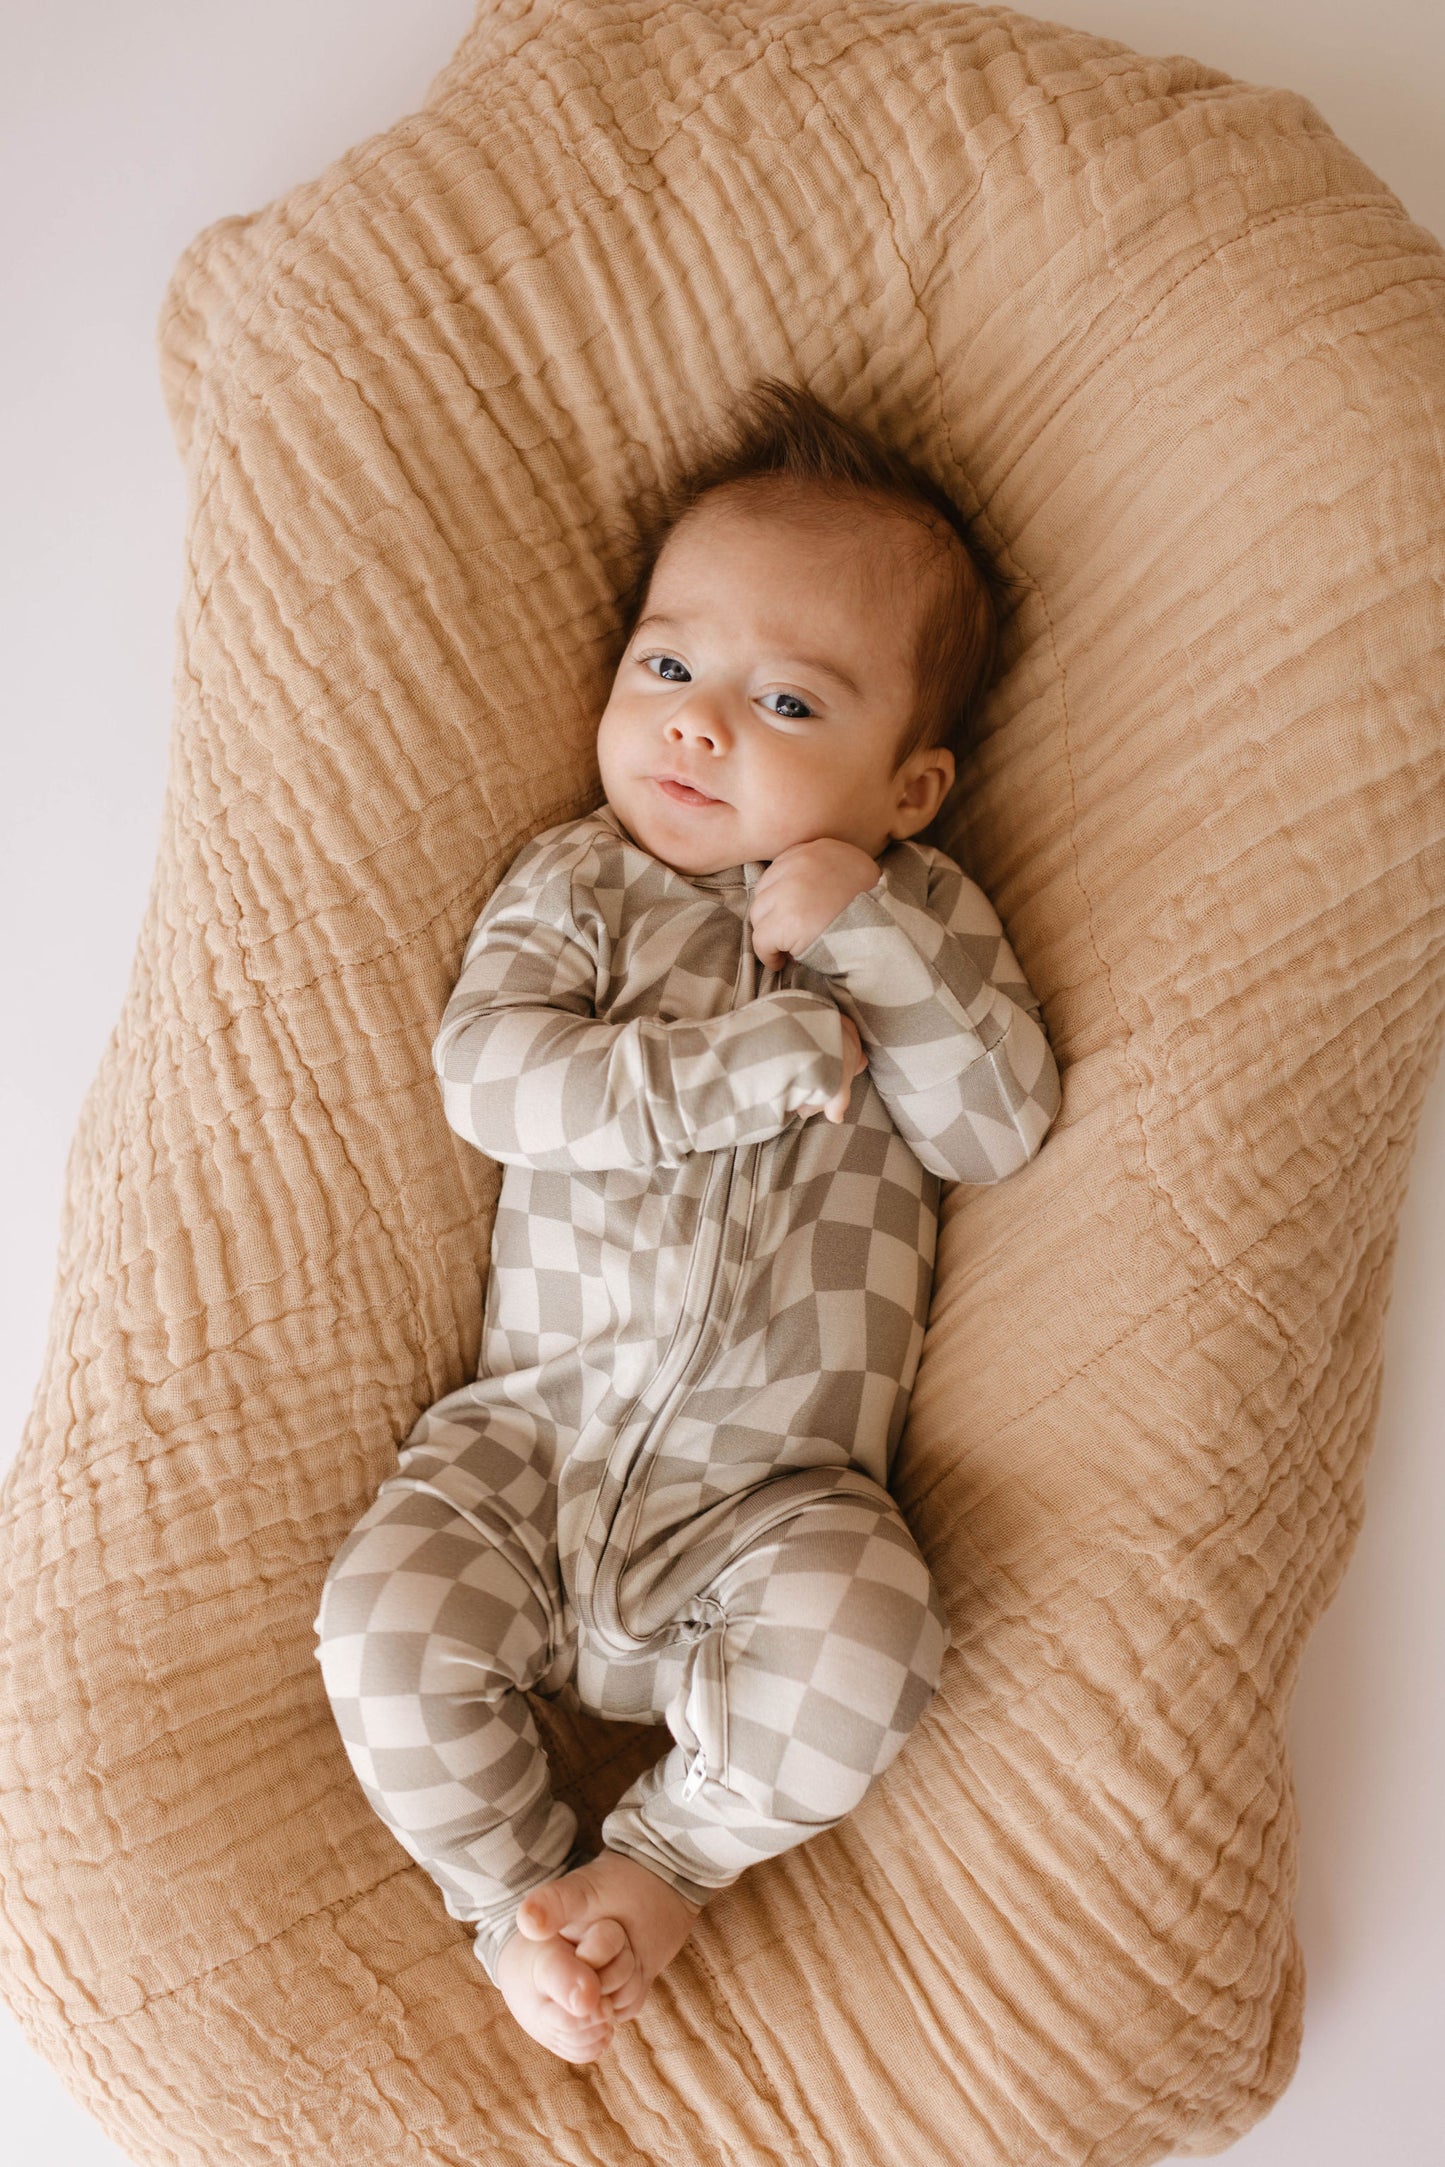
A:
719,842
695,864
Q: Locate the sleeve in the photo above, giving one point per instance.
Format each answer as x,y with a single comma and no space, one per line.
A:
955,1041
532,1076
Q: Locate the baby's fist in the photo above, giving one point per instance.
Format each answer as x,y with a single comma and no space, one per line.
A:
802,891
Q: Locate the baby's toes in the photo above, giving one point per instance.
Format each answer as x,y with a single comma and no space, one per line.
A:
606,1948
628,1999
619,1974
602,1941
542,1912
580,2042
572,1985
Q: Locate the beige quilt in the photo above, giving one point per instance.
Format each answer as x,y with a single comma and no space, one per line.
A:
1182,352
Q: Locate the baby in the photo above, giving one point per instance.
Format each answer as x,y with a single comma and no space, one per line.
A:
664,1497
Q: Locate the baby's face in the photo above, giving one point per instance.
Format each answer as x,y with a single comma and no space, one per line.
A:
779,684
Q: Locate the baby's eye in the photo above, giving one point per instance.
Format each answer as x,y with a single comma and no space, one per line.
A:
797,703
646,659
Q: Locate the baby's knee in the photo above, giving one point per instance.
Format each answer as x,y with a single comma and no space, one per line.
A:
851,1582
822,1696
892,1611
809,1753
416,1601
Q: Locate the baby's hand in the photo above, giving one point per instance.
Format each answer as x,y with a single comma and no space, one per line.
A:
855,1057
802,891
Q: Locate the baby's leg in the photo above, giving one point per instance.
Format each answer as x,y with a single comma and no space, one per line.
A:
432,1626
827,1645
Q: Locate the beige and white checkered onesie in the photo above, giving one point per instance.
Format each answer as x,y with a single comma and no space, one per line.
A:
665,1493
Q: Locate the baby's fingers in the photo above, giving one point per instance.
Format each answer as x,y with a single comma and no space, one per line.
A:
837,1106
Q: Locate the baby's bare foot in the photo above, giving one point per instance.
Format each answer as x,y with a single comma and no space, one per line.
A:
554,1995
624,1920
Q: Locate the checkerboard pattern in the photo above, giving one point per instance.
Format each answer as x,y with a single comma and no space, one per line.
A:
790,1680
666,1488
607,1016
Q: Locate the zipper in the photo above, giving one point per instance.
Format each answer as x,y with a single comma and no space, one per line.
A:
706,1333
606,1609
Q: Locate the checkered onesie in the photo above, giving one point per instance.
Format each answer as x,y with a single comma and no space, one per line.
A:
664,1496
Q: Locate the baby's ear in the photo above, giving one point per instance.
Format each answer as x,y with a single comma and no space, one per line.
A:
910,820
928,786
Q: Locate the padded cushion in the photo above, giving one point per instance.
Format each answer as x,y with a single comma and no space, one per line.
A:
1182,351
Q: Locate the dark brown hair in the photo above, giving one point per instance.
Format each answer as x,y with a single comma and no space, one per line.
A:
778,436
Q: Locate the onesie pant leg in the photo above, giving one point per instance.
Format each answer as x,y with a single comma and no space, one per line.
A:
819,1646
433,1623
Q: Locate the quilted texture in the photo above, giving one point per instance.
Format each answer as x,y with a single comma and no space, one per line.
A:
1183,352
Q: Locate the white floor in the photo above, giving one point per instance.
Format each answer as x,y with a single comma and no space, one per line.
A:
125,131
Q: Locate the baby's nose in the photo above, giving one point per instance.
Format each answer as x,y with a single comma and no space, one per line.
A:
700,729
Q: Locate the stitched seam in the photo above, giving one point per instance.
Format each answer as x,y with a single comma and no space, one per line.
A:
336,1910
721,2013
1126,296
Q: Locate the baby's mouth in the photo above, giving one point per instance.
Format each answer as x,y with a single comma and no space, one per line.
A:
683,793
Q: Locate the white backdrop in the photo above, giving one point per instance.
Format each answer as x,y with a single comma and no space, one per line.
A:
127,129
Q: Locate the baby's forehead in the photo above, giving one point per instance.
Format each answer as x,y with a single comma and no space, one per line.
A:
839,509
856,529
871,557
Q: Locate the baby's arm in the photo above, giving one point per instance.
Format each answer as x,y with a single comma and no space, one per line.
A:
532,1077
952,1029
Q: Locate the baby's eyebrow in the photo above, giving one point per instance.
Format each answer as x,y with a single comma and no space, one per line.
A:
813,664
